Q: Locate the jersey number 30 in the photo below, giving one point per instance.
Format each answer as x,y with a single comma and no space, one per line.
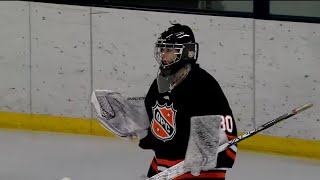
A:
227,123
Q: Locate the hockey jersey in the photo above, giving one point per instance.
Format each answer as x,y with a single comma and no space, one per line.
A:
169,113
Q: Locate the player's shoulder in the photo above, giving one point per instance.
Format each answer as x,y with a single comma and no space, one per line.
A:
203,76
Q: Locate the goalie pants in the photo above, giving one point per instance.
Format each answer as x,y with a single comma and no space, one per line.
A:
158,165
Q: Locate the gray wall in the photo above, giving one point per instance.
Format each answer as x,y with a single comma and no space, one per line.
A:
52,56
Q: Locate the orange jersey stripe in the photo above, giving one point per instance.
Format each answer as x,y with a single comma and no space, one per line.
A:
167,163
230,137
154,166
230,154
204,174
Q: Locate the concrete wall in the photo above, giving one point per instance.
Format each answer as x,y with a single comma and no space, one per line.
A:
287,72
14,57
60,60
52,56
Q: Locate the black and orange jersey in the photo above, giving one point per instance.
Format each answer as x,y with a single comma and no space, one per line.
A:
169,113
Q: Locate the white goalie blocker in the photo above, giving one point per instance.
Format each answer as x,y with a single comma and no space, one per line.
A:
205,137
124,117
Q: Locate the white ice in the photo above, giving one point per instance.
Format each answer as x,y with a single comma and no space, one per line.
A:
26,155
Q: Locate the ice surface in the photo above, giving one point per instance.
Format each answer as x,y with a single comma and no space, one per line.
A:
26,155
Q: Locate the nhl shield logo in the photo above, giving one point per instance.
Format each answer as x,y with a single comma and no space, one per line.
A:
163,124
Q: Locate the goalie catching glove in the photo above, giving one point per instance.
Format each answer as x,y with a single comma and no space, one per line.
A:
124,117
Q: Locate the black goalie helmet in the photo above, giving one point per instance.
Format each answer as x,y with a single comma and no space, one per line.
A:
180,40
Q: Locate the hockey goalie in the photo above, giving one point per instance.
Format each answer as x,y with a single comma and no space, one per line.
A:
185,115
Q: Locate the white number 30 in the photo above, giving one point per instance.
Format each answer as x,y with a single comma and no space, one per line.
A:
226,123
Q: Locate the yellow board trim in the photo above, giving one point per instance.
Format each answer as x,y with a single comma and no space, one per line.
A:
282,146
37,122
258,143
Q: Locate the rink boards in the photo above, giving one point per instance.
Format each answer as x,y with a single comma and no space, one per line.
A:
53,56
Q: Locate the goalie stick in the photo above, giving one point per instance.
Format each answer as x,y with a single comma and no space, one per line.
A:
178,170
